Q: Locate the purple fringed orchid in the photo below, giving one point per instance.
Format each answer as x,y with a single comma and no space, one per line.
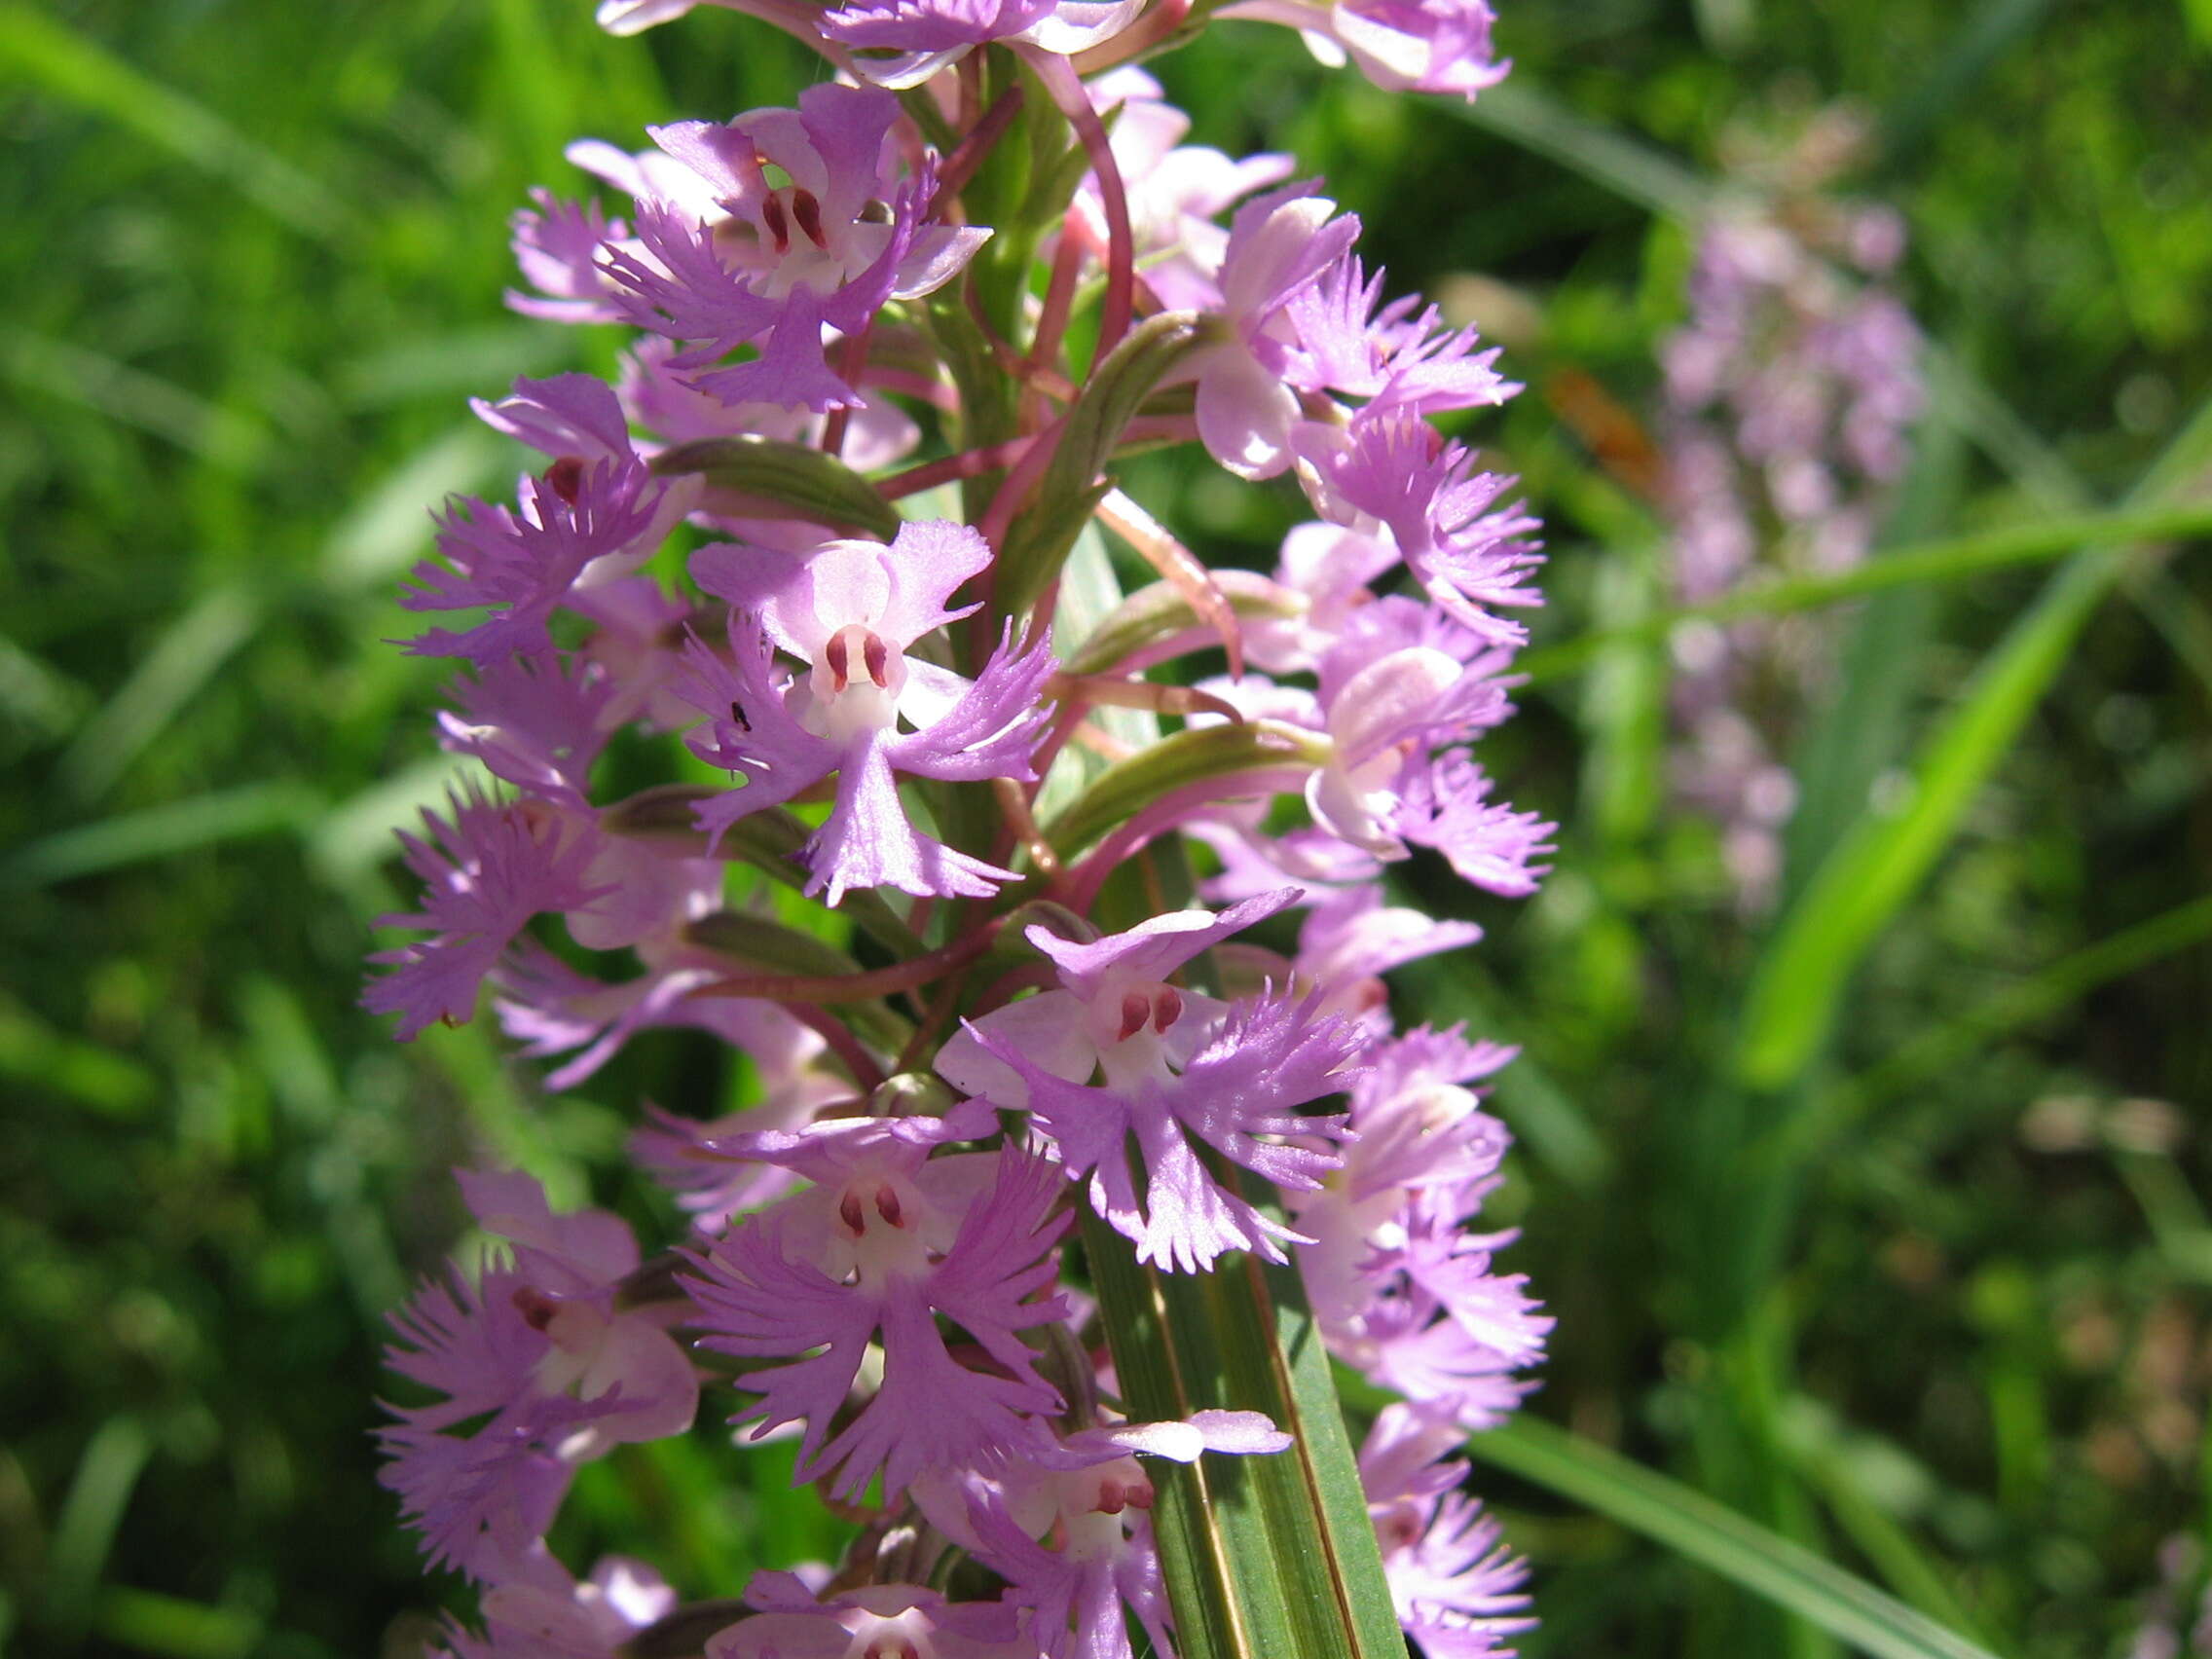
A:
851,610
556,248
1396,354
783,262
1175,1068
547,1614
1456,1587
880,1256
494,867
1399,1290
1402,46
1279,244
897,1253
579,423
876,1621
1388,469
534,722
1175,191
924,36
1351,938
546,1351
523,565
1069,1532
1397,681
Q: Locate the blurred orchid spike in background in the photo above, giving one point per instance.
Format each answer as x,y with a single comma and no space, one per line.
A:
1791,395
1007,1121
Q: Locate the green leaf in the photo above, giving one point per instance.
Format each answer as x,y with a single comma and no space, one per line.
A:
191,651
150,1622
1128,787
769,947
1718,1538
757,470
1044,527
84,1532
1263,1555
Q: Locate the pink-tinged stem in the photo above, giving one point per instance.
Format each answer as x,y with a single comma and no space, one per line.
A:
1059,300
968,464
967,76
1064,721
1092,689
1033,377
934,1022
1149,30
866,1075
1035,975
1019,481
1079,889
798,989
1161,429
960,167
1102,743
1021,827
1060,80
852,362
1180,568
923,389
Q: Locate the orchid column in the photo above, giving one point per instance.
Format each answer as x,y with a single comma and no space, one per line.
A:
1082,1114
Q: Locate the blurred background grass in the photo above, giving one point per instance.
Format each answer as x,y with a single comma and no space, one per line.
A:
1881,1224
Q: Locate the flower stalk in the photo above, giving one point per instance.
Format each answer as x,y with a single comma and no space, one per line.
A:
1043,1235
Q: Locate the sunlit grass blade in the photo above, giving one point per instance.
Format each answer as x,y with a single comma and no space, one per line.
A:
1937,1049
84,1532
1630,168
221,437
189,653
1720,1539
62,64
36,1056
2102,535
389,524
146,1621
161,831
1863,1481
1881,860
41,703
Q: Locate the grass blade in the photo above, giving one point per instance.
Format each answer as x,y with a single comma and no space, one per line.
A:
1936,1051
1880,860
191,651
2101,536
1630,168
64,65
159,831
1720,1539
